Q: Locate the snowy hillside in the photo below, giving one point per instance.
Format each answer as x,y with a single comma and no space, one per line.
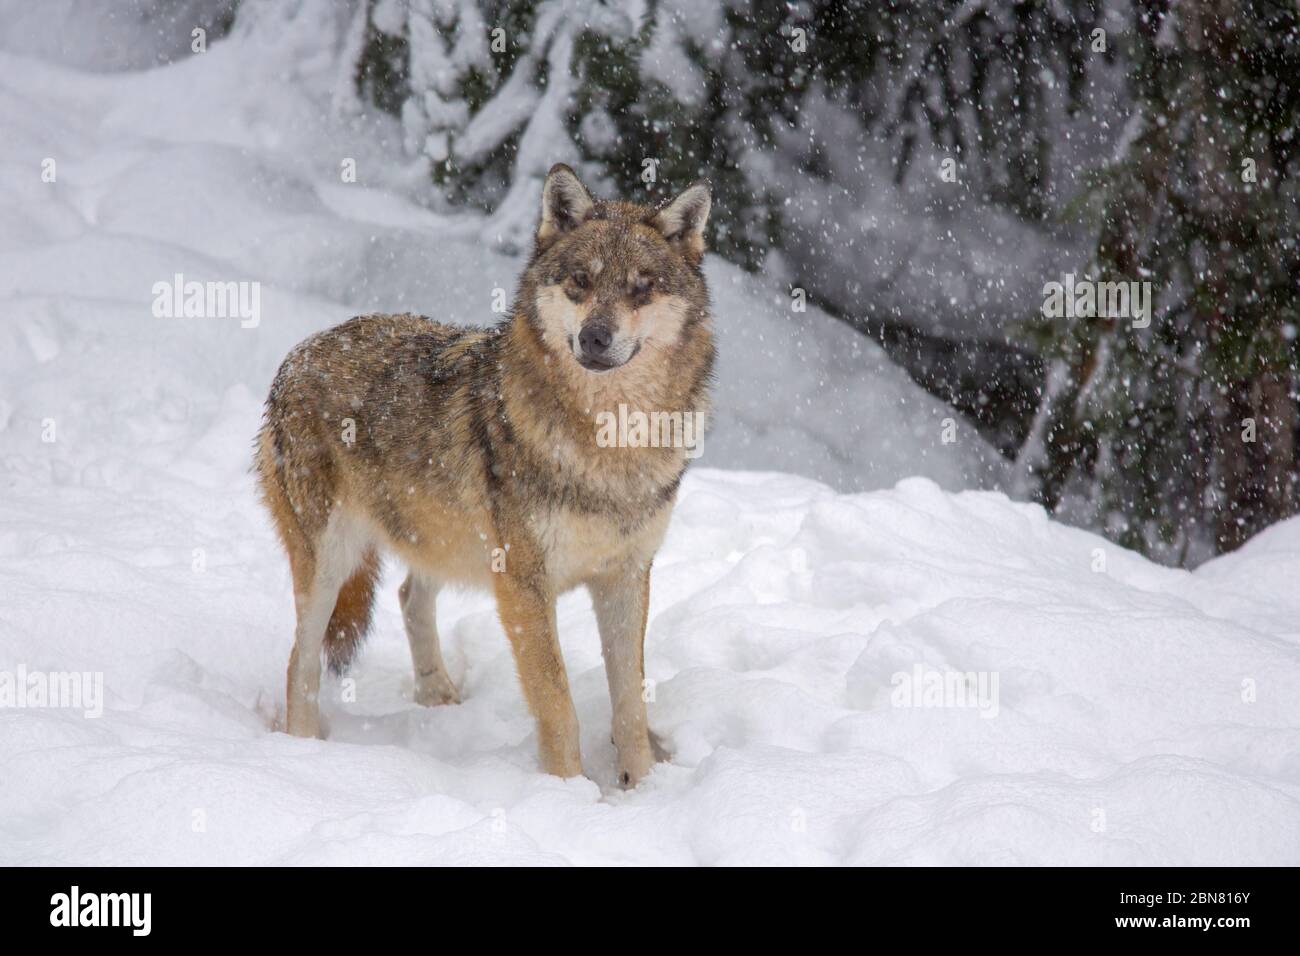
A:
1116,712
218,169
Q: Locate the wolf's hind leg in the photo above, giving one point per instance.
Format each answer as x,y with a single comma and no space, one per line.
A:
433,685
339,549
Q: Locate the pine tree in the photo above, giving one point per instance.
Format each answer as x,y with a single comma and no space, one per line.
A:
648,96
693,93
980,82
440,65
643,97
1179,439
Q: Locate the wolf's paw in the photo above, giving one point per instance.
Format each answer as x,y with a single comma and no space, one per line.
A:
304,725
633,766
436,690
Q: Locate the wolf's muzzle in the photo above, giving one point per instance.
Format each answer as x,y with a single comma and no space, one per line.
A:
597,348
594,340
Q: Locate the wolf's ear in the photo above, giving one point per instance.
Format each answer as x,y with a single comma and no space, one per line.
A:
566,204
682,221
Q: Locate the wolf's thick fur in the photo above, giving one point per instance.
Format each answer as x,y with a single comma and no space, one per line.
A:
472,455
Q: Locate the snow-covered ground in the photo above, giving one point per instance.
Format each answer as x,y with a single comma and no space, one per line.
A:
1139,715
1123,713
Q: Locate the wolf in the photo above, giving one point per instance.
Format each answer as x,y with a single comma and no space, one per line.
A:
471,455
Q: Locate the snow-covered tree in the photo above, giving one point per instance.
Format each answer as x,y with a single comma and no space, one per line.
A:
650,94
442,65
1179,438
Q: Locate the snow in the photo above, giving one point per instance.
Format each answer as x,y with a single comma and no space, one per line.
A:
665,59
1141,715
782,616
125,35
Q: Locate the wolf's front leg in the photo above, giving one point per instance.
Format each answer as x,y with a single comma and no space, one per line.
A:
621,598
527,611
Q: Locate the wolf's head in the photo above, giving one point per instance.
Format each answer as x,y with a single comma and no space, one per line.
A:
611,280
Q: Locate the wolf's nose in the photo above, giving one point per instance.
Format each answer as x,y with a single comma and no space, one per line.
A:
595,339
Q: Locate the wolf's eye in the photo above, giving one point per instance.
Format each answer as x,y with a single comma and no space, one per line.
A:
581,279
641,286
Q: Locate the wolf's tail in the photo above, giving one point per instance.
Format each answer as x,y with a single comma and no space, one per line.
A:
352,612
